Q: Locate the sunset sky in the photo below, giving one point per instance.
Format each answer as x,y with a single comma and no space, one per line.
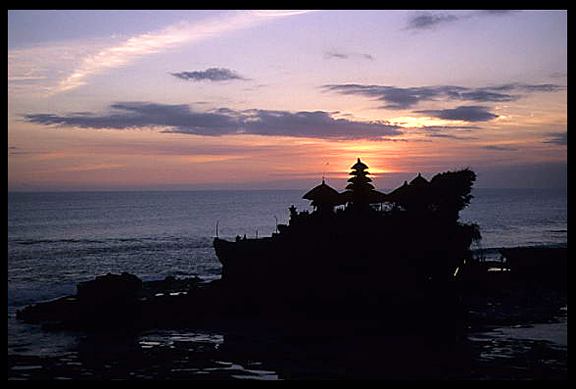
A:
157,100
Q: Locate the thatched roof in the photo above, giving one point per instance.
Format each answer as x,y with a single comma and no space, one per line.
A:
406,191
398,193
371,196
419,181
323,194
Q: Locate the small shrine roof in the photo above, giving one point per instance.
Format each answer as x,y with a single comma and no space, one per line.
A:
323,194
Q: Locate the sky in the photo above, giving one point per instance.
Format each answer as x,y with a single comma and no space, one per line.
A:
278,99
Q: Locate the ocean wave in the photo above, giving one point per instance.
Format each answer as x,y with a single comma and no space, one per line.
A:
32,241
493,253
28,242
61,260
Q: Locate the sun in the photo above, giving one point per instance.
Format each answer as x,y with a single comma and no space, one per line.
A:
420,122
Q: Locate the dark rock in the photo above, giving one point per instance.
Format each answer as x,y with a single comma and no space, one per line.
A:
111,288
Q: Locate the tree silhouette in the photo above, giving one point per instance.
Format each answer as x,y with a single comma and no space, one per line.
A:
451,192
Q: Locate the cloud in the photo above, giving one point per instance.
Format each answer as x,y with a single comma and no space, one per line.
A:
139,46
450,132
127,115
179,118
395,98
467,113
483,95
430,20
37,70
211,74
14,151
539,87
405,98
313,124
558,138
451,136
516,86
499,148
344,55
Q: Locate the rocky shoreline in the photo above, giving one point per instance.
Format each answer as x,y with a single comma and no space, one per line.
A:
489,296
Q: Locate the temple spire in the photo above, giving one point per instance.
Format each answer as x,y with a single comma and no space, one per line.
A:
360,191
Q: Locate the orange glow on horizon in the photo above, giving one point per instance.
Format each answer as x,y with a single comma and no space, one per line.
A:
421,121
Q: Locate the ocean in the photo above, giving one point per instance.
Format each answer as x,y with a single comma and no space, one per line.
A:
58,239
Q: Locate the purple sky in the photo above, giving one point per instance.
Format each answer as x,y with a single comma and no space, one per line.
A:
116,100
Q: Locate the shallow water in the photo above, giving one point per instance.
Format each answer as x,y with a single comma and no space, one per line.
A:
502,353
533,351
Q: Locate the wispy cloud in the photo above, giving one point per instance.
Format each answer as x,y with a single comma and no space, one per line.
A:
339,54
179,118
211,74
558,138
139,46
36,70
451,136
450,132
499,148
92,166
402,98
405,98
16,151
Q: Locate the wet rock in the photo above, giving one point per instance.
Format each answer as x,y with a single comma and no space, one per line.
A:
110,289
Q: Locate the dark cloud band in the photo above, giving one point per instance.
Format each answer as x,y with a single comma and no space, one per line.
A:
467,113
405,98
431,20
181,119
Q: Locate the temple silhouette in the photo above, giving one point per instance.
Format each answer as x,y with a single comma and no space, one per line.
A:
414,226
358,251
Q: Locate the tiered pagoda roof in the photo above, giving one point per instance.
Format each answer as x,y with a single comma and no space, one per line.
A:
360,190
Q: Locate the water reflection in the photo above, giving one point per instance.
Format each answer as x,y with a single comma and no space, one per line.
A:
502,353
